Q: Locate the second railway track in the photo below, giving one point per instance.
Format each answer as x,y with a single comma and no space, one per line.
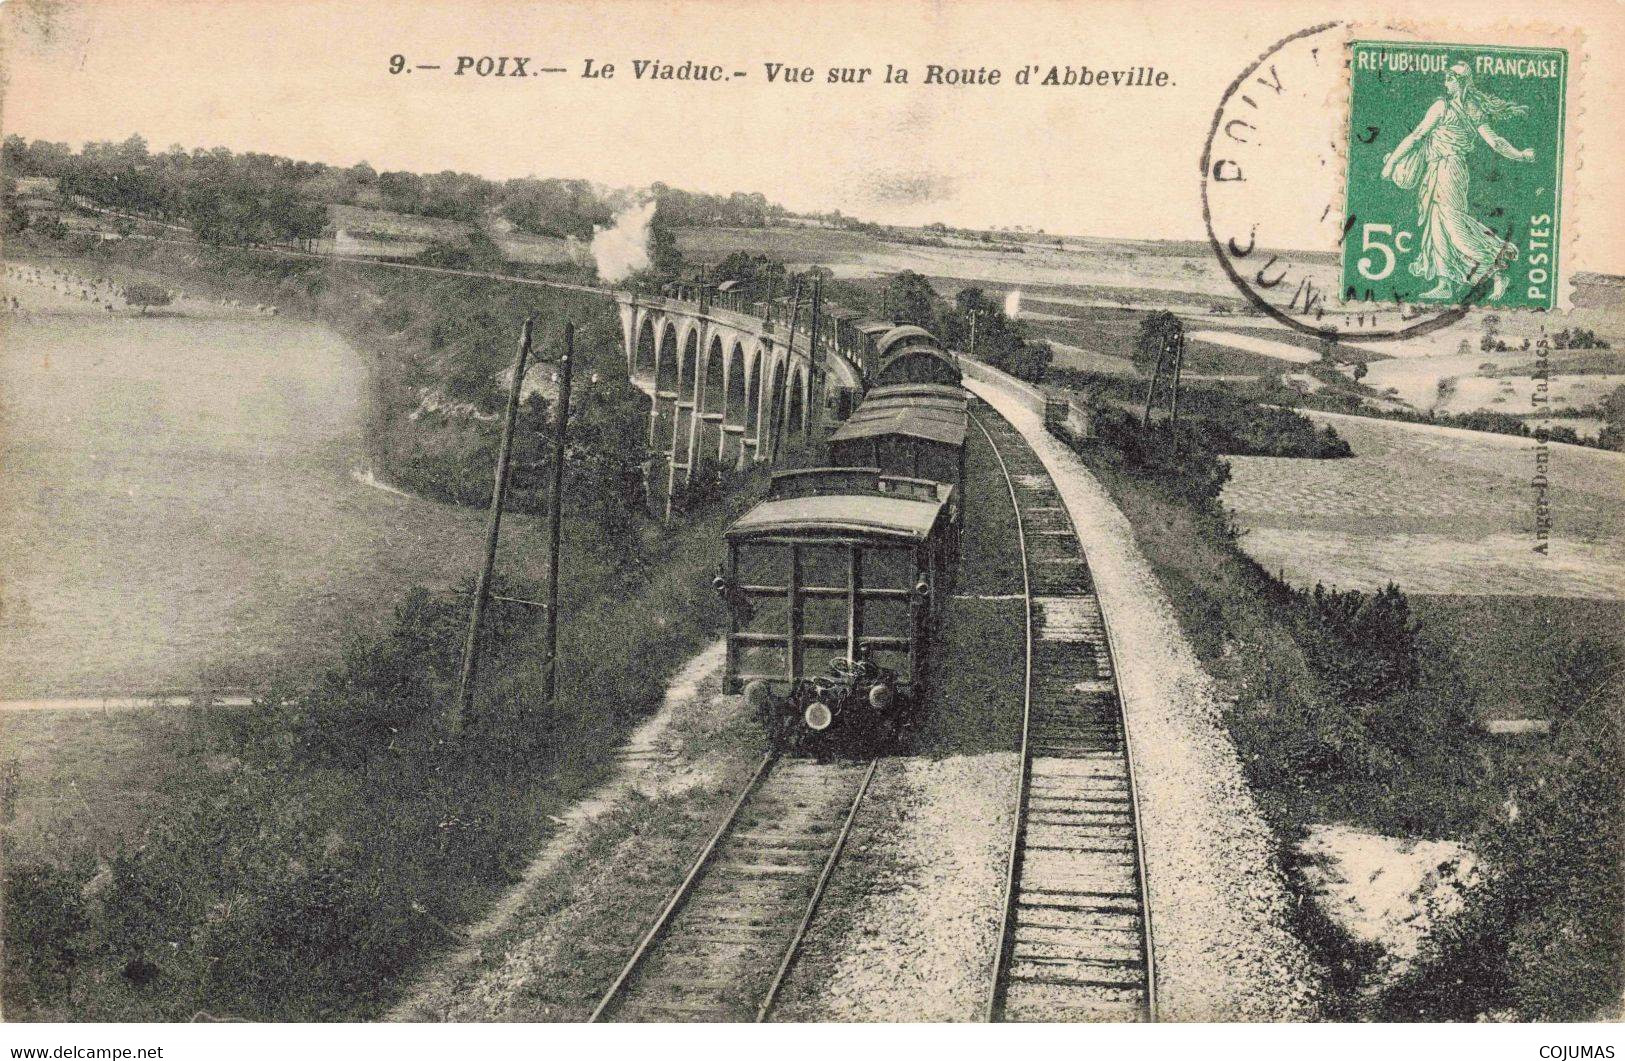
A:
727,937
1076,938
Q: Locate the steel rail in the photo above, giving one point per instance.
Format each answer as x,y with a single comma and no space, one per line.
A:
1139,833
817,895
1006,941
681,895
995,997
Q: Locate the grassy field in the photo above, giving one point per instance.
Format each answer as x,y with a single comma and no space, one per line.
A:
1115,333
309,853
190,503
795,245
1441,512
91,778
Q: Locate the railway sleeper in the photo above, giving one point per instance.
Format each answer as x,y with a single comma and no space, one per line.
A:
1101,886
1048,943
1057,811
661,1014
1078,972
1074,787
1068,870
1071,915
734,870
1077,730
1069,899
1075,748
1056,803
1060,812
1108,767
1040,1002
1120,859
749,920
685,987
759,840
1105,738
711,969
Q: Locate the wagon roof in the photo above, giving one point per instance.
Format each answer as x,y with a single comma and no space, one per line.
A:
927,418
872,516
942,393
901,332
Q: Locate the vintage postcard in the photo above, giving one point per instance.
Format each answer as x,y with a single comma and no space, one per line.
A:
724,511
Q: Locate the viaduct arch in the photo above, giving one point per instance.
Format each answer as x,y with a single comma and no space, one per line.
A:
726,389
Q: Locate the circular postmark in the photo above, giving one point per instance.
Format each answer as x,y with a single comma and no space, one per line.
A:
1272,185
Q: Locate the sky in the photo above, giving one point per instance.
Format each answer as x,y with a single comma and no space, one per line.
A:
312,81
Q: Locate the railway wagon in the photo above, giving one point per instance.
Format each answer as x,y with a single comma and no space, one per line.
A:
912,429
910,354
836,584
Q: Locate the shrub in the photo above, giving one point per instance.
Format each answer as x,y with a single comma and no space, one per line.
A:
1541,938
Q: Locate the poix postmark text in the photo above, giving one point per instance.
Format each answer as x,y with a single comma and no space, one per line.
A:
1455,167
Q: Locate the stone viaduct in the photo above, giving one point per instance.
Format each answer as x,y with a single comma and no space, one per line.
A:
727,386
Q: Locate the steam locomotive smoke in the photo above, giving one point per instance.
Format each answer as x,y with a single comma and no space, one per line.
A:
1012,304
623,247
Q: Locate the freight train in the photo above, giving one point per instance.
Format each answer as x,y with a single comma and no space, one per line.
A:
837,582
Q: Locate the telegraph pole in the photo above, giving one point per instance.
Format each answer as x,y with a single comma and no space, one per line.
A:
817,306
554,515
1179,363
780,417
499,492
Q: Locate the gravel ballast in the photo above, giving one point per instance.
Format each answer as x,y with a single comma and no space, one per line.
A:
910,926
1220,907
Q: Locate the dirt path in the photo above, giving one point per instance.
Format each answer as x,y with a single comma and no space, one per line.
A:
643,748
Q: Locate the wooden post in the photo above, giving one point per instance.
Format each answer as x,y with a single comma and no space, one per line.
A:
812,334
499,492
781,416
1179,363
1150,390
554,516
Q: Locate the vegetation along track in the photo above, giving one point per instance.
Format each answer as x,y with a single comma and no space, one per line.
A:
727,937
1076,939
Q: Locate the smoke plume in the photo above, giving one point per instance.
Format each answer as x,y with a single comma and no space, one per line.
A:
623,248
1012,304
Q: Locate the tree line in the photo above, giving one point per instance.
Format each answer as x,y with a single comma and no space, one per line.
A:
253,198
972,321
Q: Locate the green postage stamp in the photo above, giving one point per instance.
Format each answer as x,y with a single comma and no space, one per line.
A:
1455,170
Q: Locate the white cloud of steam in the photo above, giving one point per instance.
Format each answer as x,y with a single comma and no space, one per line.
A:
1012,304
623,248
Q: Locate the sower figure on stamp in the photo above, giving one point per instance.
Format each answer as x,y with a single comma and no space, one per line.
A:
1453,247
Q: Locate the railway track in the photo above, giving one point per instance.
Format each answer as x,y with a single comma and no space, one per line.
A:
728,935
1076,939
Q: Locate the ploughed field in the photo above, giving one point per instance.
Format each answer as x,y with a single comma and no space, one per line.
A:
187,501
1438,510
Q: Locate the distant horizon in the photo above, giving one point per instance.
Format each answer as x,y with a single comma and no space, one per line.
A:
313,81
1202,241
804,211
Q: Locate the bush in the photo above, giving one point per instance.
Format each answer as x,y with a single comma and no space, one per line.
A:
1541,938
1179,463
